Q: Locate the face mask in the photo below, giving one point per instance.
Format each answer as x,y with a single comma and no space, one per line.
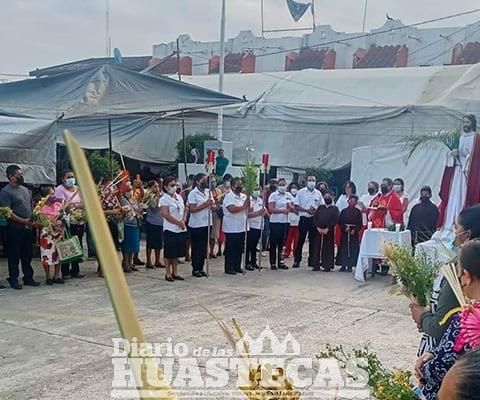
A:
311,185
172,190
424,199
281,189
459,242
294,191
256,194
20,180
328,201
238,189
323,190
384,189
70,182
371,190
397,188
227,184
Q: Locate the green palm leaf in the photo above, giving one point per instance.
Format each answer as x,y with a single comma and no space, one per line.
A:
250,177
449,138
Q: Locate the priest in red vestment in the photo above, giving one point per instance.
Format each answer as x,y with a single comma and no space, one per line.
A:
460,185
386,208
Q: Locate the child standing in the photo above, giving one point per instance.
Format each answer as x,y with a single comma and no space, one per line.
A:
50,235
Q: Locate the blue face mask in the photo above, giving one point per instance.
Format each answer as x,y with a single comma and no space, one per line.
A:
281,189
311,185
70,182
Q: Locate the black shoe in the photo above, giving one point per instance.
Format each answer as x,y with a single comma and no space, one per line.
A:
349,269
203,273
296,265
2,287
326,270
343,269
133,268
197,274
159,266
316,269
14,284
31,282
149,266
255,266
66,277
59,281
274,267
49,282
249,268
230,272
169,279
212,256
138,262
178,278
78,276
282,266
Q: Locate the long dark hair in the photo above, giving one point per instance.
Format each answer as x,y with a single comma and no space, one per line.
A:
468,381
469,257
197,179
469,218
352,185
473,120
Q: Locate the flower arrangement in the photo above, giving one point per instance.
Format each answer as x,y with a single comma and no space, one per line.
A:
469,328
40,217
5,212
384,384
415,274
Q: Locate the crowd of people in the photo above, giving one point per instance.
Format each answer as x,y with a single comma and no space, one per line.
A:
208,216
197,220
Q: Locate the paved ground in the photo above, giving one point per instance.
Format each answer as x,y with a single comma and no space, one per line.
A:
55,342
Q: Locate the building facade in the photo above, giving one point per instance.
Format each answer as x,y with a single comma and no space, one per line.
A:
391,45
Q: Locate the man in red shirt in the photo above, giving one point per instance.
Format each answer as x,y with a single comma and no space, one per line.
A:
386,208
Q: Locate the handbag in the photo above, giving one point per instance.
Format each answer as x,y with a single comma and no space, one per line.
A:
69,248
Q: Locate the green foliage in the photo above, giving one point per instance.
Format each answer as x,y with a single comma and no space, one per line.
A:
250,177
414,273
384,384
100,165
450,138
321,174
192,142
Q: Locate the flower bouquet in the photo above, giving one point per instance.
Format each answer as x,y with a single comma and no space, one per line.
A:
5,213
384,384
40,217
415,274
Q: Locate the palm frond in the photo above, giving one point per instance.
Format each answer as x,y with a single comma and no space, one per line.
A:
449,138
250,177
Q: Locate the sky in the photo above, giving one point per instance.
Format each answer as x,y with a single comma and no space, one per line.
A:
41,33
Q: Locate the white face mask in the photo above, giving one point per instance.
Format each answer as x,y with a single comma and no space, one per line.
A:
397,188
311,185
172,190
294,191
282,189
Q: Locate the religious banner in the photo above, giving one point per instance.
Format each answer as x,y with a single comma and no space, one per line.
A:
297,9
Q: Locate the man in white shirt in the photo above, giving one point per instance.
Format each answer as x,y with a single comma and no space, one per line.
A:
255,221
235,208
306,203
200,205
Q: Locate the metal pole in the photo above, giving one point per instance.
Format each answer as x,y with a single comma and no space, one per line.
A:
365,15
313,14
209,221
263,27
110,150
263,221
221,70
107,29
183,117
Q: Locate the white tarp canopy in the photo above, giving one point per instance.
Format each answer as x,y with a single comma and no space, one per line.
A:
84,101
317,117
425,167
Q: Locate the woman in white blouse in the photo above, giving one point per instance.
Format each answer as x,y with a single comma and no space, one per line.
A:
174,230
280,204
399,189
349,188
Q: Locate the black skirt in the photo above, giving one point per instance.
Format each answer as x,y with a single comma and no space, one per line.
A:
174,244
154,236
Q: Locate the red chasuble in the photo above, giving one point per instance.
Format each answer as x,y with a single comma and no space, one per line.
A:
384,202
